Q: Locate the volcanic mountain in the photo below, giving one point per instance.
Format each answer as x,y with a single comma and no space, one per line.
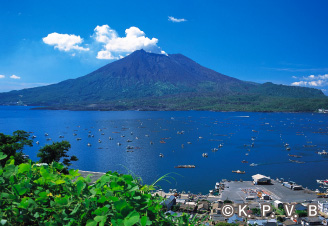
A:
149,81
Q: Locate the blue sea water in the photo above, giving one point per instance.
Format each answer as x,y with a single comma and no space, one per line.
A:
306,134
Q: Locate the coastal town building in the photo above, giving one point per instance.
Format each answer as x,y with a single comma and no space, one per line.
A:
261,179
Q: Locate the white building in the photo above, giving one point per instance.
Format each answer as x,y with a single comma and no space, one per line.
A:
261,179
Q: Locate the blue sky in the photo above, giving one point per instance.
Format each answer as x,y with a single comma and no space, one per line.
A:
44,42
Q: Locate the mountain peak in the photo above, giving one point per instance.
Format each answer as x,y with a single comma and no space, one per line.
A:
158,78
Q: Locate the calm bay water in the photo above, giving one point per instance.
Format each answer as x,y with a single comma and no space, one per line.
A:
306,134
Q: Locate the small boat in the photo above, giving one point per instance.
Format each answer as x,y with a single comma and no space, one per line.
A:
238,171
129,151
220,145
244,161
323,153
288,148
162,142
74,134
188,142
161,155
61,136
37,142
205,155
151,143
99,141
119,144
122,135
253,164
89,145
48,139
129,140
103,134
185,166
247,154
295,156
33,136
200,137
110,138
78,139
129,147
214,149
46,134
286,145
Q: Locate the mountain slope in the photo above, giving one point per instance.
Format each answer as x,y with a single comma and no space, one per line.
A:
142,77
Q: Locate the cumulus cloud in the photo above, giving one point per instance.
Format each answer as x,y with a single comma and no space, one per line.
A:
114,47
2,76
64,42
15,77
176,20
312,80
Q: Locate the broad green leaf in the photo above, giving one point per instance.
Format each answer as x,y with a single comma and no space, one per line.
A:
101,211
91,223
20,189
119,205
2,156
62,201
9,170
132,218
99,218
80,185
24,167
60,181
74,173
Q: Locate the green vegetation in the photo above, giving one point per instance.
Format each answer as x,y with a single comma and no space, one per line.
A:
12,146
34,194
55,152
256,211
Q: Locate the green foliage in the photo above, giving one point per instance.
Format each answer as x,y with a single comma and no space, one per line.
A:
40,195
12,146
55,152
227,201
256,211
301,213
280,219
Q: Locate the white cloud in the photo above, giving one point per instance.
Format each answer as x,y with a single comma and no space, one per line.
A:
312,80
176,20
2,76
115,47
15,77
64,42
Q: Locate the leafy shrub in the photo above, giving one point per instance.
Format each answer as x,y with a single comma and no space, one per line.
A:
33,194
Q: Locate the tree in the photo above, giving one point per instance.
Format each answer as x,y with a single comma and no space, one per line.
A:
55,151
12,146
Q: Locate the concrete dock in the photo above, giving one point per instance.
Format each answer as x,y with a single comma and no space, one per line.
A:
238,191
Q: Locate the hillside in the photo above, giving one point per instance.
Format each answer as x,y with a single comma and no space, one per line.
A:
150,81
